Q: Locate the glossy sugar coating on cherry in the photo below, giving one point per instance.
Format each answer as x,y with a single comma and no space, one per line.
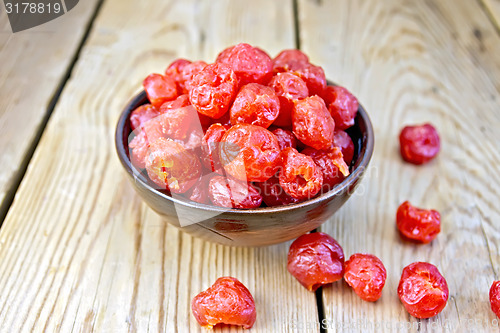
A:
366,274
342,140
312,123
227,301
300,177
316,259
417,224
210,146
343,106
149,132
332,165
313,76
174,71
188,72
141,115
289,88
286,58
170,166
249,153
423,290
255,104
213,89
159,89
286,139
250,64
495,298
231,193
419,144
273,194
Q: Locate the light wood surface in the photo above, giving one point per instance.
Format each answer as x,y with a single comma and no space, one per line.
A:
414,62
33,65
493,8
82,252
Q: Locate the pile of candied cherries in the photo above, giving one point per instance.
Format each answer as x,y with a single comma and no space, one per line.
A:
248,130
244,131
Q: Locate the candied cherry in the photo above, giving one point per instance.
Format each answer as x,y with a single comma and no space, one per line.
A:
231,193
366,274
419,144
417,224
273,194
281,63
312,123
249,153
227,301
213,89
255,104
300,177
285,137
288,88
342,140
188,72
174,71
316,259
199,191
343,106
170,166
423,290
210,146
495,298
150,131
176,120
332,165
313,76
141,115
250,64
159,89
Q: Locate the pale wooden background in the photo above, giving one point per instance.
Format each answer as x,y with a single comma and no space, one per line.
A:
80,252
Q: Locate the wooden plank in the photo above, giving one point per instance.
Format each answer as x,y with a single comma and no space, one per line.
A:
34,63
78,249
412,62
493,8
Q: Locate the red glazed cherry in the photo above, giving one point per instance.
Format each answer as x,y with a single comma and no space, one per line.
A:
227,192
285,137
249,153
250,64
159,89
332,165
312,123
423,290
281,63
255,104
418,224
141,115
273,194
495,298
289,88
213,89
316,259
419,144
300,177
313,76
343,106
174,71
188,72
210,147
366,274
227,301
171,166
150,131
342,140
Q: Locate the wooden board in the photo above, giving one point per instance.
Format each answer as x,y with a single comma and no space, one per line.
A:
78,249
33,65
414,62
493,8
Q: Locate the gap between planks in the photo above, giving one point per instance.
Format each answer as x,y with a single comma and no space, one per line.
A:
18,176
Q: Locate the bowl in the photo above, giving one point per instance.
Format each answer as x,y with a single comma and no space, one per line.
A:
247,227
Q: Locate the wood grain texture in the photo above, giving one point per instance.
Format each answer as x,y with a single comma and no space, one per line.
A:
414,62
33,64
78,249
493,8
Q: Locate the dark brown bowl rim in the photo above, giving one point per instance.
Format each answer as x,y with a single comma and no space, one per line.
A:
365,153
